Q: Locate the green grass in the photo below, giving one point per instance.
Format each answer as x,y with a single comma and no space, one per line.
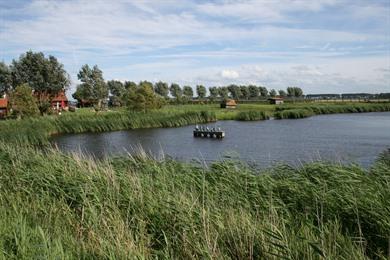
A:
59,206
251,116
38,130
304,110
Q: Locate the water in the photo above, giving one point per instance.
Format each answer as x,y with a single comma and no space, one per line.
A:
355,138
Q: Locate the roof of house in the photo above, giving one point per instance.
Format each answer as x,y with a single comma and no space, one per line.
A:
3,102
60,97
276,98
230,102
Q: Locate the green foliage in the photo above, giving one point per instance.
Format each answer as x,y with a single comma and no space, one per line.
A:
252,116
162,89
188,92
143,98
176,91
5,78
213,93
254,91
294,92
201,91
282,93
223,92
23,103
234,91
55,205
46,76
263,91
93,87
117,91
244,90
272,92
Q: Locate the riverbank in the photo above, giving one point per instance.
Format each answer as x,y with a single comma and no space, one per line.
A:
38,130
55,205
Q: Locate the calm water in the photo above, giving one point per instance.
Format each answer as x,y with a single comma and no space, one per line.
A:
343,138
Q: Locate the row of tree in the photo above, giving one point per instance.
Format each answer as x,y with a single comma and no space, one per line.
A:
47,77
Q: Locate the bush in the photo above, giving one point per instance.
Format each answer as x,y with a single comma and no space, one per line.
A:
251,116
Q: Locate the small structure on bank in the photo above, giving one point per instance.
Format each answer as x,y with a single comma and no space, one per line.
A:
229,103
276,100
60,102
201,131
3,107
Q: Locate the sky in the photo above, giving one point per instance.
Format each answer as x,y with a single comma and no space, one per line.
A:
322,46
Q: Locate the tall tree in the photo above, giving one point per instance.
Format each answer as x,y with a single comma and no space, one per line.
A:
294,92
244,92
201,91
23,102
117,90
162,89
263,91
223,92
272,92
188,92
282,93
253,91
143,98
5,78
234,91
213,93
46,76
176,91
94,87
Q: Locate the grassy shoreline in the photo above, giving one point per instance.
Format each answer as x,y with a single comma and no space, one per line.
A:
56,205
38,130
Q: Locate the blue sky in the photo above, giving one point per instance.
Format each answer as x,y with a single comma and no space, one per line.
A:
322,46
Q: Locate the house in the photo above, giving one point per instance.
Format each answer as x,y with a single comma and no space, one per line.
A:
3,107
229,103
60,102
276,100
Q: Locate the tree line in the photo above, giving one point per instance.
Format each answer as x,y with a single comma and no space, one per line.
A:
35,80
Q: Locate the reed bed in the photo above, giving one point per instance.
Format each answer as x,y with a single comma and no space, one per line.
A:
56,205
302,111
38,130
251,116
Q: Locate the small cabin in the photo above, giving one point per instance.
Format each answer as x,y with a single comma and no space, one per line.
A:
60,102
229,103
276,100
3,107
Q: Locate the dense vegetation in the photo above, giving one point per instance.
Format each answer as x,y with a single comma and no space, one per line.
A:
38,130
306,110
58,206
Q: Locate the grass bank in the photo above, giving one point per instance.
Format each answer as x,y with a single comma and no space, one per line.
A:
38,130
304,110
54,205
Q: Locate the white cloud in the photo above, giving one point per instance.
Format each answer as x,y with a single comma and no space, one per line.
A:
229,74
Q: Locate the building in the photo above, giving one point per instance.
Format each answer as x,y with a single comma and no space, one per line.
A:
60,102
3,107
229,103
276,100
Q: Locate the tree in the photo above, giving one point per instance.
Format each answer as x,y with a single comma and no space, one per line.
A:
188,92
46,76
294,92
263,91
253,91
23,102
5,78
117,90
244,92
130,85
162,89
93,86
143,98
213,93
282,93
272,92
234,91
223,92
201,91
176,91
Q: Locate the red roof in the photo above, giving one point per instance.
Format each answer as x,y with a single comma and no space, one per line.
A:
60,97
3,102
